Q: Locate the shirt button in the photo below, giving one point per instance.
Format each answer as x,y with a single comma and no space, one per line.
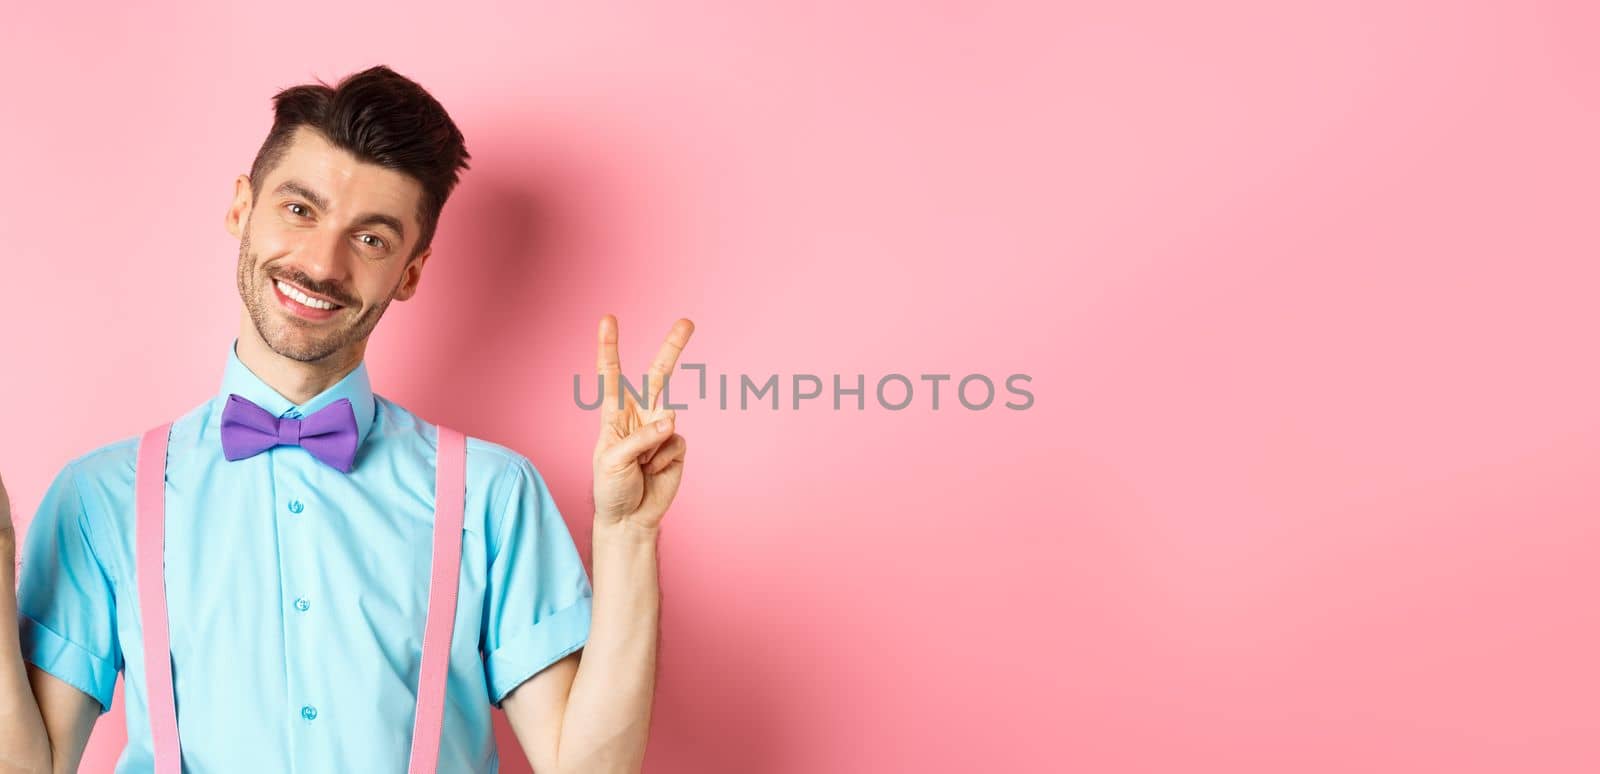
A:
302,605
295,506
308,712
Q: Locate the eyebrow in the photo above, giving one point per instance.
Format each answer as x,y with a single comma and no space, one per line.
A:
295,188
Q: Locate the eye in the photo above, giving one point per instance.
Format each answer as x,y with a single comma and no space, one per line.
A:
298,209
376,242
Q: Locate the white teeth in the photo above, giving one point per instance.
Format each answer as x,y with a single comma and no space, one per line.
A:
290,291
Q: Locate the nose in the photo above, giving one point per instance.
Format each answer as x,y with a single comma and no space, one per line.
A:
325,258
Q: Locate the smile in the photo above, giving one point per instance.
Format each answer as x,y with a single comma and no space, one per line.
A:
302,304
306,300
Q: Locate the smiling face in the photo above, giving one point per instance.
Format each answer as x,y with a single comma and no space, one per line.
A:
324,248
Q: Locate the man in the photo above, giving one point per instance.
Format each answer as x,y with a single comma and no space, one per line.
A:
297,578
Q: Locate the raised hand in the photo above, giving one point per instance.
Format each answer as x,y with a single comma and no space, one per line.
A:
638,459
7,531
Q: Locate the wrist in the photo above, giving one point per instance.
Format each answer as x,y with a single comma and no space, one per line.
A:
624,533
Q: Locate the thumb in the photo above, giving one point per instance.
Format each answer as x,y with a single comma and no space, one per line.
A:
640,441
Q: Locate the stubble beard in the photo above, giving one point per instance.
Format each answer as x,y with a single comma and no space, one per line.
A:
285,334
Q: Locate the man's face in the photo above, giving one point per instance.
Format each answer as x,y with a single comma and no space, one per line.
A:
324,248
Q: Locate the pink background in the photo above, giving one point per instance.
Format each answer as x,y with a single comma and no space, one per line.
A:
1307,296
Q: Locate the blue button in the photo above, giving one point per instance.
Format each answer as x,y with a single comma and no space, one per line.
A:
308,712
302,605
295,506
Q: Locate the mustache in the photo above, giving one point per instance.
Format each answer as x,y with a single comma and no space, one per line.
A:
334,293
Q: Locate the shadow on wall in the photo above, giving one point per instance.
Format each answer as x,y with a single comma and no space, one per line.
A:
531,245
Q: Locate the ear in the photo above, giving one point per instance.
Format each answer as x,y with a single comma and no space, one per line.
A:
413,275
239,210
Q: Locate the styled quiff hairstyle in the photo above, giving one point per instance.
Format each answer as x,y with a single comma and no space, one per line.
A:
381,117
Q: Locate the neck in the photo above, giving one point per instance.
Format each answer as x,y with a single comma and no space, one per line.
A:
299,381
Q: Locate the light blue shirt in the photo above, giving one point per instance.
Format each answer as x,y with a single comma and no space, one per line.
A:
297,594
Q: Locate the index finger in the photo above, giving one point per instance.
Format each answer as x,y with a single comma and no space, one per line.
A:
667,357
608,365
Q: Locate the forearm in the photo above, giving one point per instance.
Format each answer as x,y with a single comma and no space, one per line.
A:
607,720
24,745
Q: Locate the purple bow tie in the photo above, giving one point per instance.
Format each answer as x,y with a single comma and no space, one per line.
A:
329,433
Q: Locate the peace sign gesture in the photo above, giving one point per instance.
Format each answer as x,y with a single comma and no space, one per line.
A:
638,460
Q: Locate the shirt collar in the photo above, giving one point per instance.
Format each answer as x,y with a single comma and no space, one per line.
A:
240,380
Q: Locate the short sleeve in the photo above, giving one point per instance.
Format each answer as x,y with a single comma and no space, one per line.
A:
66,601
538,597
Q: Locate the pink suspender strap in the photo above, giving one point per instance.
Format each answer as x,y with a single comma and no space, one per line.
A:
150,489
449,500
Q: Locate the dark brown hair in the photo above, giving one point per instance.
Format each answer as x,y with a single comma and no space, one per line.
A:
380,117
